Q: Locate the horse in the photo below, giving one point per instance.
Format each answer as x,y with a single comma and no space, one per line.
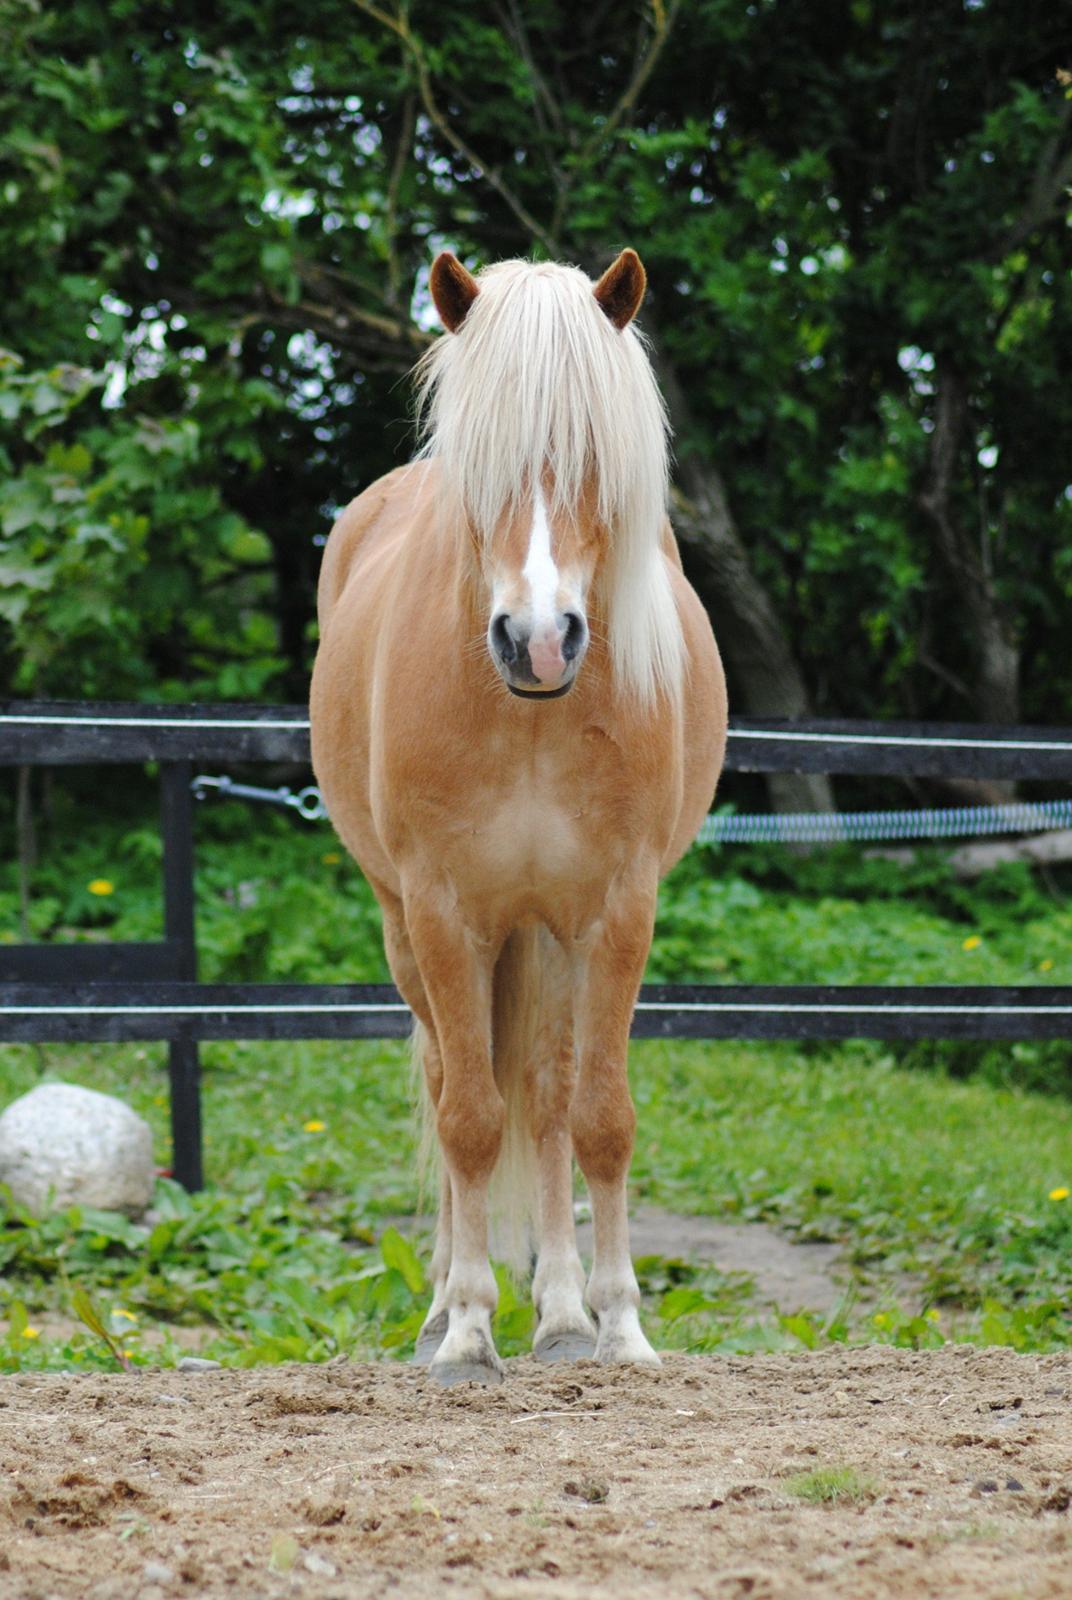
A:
518,720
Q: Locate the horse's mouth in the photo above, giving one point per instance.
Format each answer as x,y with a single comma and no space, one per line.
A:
541,694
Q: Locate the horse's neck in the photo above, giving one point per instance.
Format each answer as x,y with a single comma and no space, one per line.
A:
440,565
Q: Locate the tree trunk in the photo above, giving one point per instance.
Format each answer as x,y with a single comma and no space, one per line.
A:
763,670
992,679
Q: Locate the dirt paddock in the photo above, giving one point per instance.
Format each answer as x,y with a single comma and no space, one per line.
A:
351,1481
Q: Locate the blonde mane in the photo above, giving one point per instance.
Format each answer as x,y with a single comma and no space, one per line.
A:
538,379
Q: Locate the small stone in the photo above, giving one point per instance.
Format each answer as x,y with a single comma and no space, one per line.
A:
62,1145
198,1364
1015,1485
318,1564
157,1572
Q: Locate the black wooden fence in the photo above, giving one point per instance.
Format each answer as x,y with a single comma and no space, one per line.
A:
118,992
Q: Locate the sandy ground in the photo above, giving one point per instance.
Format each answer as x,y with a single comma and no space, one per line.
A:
351,1481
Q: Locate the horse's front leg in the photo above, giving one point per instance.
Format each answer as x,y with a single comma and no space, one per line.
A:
407,976
456,972
610,965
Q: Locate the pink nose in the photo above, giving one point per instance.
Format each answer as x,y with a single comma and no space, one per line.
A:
545,654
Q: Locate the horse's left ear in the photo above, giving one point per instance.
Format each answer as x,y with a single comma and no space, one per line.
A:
621,288
453,289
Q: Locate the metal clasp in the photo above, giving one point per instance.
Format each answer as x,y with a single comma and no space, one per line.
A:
308,802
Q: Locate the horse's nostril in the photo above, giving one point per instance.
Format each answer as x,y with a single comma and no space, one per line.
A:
574,637
501,642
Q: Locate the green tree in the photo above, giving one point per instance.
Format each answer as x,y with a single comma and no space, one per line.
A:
854,222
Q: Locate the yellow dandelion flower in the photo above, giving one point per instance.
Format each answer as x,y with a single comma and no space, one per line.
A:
331,858
1059,1194
1047,965
931,1315
101,886
31,1333
972,942
881,1319
314,1126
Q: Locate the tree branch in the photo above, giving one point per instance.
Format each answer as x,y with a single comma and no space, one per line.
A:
398,168
399,25
1051,178
664,18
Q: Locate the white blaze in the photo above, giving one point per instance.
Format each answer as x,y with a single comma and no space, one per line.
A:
541,574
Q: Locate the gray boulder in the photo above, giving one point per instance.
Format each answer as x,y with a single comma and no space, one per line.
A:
61,1145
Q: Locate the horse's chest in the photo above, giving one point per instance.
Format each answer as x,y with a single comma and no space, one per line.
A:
531,833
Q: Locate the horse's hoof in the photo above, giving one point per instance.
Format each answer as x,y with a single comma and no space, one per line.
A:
449,1373
625,1347
430,1338
620,1355
565,1347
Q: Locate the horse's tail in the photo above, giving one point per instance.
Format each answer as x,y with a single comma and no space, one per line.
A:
516,1008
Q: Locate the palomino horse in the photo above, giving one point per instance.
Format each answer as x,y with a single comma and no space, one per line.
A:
518,718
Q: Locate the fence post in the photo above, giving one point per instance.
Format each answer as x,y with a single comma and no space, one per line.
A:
184,1066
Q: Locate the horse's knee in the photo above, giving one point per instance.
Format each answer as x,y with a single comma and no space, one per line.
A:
470,1133
603,1126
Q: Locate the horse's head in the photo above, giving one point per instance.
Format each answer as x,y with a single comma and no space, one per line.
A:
543,531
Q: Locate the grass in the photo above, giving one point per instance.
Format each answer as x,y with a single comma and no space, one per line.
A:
938,1187
939,1192
825,1486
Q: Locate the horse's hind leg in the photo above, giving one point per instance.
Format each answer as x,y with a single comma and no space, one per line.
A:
564,1331
602,1118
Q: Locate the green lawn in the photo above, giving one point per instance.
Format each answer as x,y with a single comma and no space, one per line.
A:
939,1190
939,1187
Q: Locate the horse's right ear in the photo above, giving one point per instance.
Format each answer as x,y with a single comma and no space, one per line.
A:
453,289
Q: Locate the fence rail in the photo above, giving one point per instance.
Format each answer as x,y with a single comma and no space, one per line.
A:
123,1012
149,991
87,732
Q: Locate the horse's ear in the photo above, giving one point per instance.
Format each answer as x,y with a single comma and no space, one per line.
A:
453,289
621,288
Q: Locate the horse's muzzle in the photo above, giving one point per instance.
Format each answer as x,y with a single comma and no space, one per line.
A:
539,664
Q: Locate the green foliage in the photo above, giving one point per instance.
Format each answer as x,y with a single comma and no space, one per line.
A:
217,233
122,570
